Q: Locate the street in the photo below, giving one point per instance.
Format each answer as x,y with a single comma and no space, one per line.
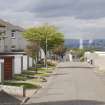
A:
71,84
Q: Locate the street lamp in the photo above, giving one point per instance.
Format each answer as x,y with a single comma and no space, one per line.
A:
46,54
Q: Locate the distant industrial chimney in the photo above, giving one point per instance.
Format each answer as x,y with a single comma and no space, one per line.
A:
81,44
90,41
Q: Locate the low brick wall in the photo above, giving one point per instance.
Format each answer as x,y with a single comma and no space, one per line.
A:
13,90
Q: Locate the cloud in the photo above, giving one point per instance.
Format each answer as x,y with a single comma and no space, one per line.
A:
77,28
76,18
84,9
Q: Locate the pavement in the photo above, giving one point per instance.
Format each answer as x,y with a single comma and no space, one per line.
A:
72,83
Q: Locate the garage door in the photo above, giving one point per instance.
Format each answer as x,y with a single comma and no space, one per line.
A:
8,68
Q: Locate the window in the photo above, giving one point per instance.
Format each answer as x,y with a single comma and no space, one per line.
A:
13,47
13,34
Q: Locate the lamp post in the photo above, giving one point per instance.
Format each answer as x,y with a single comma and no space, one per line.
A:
37,54
46,53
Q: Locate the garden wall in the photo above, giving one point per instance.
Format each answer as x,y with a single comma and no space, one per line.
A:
1,70
18,64
13,90
30,62
98,59
25,62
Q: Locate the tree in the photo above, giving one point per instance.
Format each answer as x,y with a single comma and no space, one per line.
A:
32,50
43,32
59,51
47,35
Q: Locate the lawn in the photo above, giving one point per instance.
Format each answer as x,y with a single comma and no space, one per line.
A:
25,85
30,79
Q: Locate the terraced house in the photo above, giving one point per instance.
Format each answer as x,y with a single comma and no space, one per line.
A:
12,45
11,37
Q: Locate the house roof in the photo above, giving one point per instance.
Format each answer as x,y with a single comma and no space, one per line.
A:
7,24
4,23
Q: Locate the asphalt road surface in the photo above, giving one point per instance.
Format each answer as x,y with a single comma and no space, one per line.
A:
71,84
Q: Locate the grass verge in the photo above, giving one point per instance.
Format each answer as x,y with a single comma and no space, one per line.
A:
30,79
25,85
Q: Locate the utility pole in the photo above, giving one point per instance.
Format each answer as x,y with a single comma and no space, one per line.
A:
81,43
46,53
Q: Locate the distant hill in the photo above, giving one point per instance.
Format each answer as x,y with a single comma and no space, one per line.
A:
71,43
95,43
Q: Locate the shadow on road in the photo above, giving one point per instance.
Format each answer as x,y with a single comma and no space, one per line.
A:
7,99
72,102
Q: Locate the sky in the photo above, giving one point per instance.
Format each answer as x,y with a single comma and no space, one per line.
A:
75,18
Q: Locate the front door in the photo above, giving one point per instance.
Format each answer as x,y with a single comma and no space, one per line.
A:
8,68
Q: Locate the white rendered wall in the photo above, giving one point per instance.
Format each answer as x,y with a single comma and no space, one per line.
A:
25,62
13,90
100,61
1,70
70,58
17,64
30,62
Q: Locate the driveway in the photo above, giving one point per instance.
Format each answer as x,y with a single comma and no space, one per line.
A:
71,84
